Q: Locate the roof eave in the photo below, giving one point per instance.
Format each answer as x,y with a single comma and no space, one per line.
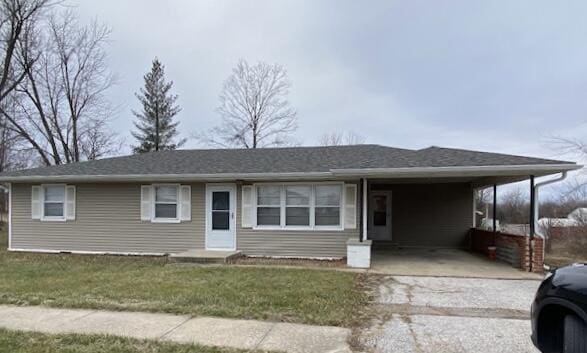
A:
458,171
219,177
423,172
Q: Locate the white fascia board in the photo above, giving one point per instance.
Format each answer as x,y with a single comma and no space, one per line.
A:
423,172
169,177
501,170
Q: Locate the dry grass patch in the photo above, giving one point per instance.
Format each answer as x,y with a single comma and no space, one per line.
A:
26,342
307,296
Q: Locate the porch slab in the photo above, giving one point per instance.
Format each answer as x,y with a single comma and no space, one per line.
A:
204,256
442,263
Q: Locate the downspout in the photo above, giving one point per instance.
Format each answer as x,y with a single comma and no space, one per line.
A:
562,177
532,223
360,195
534,226
365,200
494,226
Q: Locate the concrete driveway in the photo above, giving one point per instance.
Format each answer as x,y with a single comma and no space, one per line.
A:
449,314
441,263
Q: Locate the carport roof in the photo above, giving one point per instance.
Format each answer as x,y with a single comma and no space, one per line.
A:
294,162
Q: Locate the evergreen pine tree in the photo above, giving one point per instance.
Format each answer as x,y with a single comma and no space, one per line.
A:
156,129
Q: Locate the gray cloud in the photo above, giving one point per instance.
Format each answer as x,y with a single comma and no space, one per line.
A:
489,75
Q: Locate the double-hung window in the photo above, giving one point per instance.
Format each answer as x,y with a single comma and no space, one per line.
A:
328,201
166,201
297,205
54,202
269,205
305,206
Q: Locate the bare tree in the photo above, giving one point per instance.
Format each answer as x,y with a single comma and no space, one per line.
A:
61,109
568,196
483,200
254,108
341,138
514,207
569,145
99,141
14,152
18,22
573,192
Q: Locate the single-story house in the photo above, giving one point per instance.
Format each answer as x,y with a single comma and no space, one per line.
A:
301,202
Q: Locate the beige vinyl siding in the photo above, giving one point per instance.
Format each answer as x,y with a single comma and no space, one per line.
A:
430,215
292,243
107,220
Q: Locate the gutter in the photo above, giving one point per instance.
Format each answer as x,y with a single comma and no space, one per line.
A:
506,170
461,169
167,177
537,187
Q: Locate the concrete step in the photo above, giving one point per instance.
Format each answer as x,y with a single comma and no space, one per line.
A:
204,257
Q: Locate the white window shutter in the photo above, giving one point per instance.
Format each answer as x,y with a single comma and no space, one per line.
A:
185,202
146,202
350,206
36,202
70,202
247,206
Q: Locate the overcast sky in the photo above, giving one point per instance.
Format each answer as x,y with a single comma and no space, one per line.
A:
498,76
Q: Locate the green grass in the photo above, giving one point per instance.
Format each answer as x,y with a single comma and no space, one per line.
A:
146,284
26,342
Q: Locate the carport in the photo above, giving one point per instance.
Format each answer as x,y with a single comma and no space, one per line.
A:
423,227
420,222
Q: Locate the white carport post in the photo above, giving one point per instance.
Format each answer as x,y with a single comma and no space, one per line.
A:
364,212
359,250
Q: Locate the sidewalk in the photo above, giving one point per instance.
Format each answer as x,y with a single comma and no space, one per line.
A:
244,334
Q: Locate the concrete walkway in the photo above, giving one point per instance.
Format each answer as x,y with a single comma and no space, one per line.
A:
245,334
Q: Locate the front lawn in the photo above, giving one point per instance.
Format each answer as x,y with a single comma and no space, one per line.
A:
147,284
26,342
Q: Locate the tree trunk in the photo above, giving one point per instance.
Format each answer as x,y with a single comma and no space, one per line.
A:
255,135
75,140
156,126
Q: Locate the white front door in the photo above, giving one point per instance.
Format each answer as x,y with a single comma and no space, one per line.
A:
380,215
220,217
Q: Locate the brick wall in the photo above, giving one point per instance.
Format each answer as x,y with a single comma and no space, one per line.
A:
510,248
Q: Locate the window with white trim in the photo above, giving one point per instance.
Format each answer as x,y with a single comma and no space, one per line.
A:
268,205
305,206
297,205
166,201
327,207
54,201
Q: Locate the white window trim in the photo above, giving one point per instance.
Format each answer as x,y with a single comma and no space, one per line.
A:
53,218
312,226
255,206
154,202
309,206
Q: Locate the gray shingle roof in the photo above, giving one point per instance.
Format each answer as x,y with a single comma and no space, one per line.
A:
281,160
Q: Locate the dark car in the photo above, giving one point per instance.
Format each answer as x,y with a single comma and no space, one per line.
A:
559,311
